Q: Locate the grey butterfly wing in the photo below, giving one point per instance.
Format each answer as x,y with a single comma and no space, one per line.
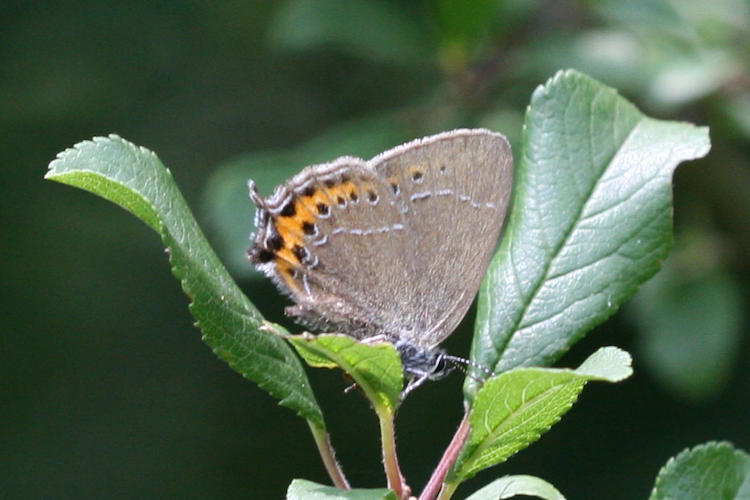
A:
352,270
454,189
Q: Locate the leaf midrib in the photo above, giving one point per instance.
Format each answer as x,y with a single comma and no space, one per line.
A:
555,253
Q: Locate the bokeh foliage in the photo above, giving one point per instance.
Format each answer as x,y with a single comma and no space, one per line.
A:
108,390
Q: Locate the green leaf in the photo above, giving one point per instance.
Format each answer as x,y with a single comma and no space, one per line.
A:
301,489
134,178
376,30
513,409
376,368
711,471
591,220
510,486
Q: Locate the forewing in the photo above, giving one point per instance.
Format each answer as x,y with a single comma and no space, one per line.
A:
454,189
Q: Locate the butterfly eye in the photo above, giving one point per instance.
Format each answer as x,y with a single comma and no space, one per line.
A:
442,368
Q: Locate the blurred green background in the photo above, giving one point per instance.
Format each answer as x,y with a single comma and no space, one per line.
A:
107,389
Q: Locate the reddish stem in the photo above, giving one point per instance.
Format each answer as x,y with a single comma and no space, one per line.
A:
328,455
396,480
449,458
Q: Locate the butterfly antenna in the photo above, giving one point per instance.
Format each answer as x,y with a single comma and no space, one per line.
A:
463,364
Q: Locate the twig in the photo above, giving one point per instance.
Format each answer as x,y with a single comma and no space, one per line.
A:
396,480
450,456
328,455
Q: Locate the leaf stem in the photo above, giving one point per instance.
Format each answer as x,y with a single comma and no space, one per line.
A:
328,455
396,480
446,462
447,491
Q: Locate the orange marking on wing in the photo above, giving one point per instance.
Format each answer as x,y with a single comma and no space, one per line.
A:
290,228
336,191
290,231
319,196
350,188
285,270
285,254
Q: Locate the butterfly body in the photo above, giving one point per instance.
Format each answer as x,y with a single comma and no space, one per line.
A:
394,247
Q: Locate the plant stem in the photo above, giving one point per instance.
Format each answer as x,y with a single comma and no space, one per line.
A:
449,458
447,491
396,480
328,455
